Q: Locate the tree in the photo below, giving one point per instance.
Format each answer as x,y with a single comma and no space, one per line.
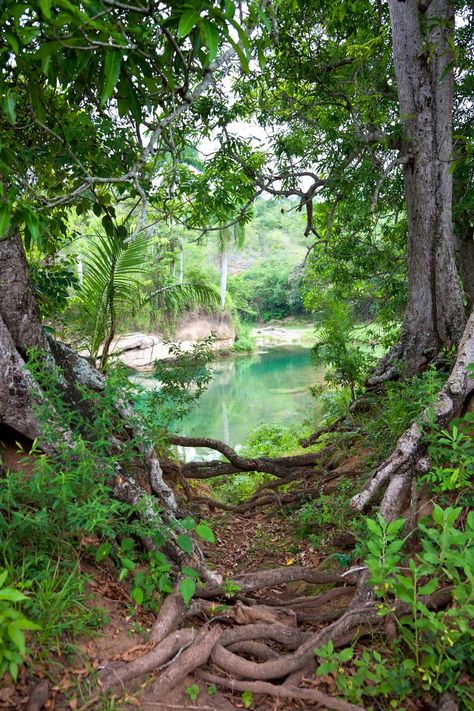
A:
89,99
347,129
422,41
227,235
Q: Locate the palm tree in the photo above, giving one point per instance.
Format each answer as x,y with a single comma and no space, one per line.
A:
114,271
227,235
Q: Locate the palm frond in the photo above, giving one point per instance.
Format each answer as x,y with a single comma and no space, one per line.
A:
113,270
176,298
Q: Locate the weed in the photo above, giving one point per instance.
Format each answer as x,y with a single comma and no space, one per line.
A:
433,646
193,692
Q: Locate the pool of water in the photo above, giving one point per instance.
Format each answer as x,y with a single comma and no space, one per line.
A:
270,386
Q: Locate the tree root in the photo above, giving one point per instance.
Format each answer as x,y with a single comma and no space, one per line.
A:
248,582
254,503
282,692
112,677
169,618
192,658
409,456
278,466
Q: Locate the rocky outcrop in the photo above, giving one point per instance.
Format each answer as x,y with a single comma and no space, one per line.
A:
140,350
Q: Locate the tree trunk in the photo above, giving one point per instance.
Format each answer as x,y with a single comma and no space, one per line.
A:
223,283
181,261
466,264
434,314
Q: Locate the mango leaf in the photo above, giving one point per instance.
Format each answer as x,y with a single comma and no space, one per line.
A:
188,20
36,104
204,532
212,38
4,219
185,543
111,73
187,589
45,6
9,107
13,42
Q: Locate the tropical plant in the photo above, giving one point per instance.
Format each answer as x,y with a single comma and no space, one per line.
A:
12,625
113,269
337,347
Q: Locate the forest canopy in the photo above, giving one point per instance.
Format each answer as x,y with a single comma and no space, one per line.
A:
247,162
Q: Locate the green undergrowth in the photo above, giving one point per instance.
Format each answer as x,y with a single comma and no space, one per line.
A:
431,650
63,514
264,441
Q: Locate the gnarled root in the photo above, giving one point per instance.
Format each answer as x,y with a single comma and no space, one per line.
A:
280,692
409,456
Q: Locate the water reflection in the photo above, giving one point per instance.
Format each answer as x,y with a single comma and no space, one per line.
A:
271,387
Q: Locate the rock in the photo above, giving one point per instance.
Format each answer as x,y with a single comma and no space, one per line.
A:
139,351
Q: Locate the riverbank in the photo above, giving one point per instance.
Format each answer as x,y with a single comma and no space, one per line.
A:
139,351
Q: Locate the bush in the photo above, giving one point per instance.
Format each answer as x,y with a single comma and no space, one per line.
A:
433,648
266,291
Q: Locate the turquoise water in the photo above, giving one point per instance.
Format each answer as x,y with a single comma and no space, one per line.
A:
271,387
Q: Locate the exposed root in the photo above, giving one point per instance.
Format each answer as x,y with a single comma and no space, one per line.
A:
282,692
169,618
249,582
39,696
255,649
279,466
409,456
117,676
193,657
313,438
276,499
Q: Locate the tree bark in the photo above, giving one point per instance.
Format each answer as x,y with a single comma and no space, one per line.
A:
434,314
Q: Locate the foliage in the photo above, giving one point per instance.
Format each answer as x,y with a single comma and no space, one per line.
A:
402,403
433,647
183,379
112,274
52,283
337,347
66,511
193,692
317,521
244,342
267,290
12,625
451,455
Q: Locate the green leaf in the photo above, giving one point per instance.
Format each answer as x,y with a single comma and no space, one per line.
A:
17,637
9,107
212,38
185,543
205,532
188,20
373,526
13,42
187,589
45,6
12,595
4,220
137,594
111,73
346,654
429,587
36,104
243,58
